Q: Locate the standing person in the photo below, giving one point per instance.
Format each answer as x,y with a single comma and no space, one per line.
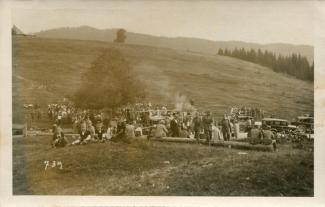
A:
225,123
91,116
197,124
39,115
129,116
174,126
75,125
49,112
216,133
32,114
59,118
248,124
207,126
129,130
54,128
188,124
236,129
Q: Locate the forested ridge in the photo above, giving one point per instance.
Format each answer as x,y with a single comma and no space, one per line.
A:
294,64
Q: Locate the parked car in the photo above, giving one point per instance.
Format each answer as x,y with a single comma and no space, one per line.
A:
277,124
304,124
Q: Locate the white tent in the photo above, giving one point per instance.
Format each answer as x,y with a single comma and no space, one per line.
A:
16,31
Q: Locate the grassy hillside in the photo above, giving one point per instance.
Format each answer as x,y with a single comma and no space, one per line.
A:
180,43
45,70
151,168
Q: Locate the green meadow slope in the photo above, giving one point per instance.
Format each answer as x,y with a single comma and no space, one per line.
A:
144,168
46,70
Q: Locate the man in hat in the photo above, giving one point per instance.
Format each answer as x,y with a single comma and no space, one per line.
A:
174,127
197,126
207,126
226,128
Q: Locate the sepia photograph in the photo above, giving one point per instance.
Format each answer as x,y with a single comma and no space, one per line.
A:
163,98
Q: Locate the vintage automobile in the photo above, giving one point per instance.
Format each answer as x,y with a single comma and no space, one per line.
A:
304,123
277,124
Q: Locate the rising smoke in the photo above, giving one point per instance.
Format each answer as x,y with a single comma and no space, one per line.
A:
183,103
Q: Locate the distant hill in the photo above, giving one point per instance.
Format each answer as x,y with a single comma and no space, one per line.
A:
46,70
180,43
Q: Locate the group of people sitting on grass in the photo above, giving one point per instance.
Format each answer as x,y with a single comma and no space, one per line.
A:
88,133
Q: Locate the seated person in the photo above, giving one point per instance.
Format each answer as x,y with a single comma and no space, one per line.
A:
109,132
254,136
120,130
267,136
161,130
91,130
84,135
100,134
138,131
58,138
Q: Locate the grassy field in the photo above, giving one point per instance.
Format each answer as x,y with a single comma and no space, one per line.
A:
152,168
46,70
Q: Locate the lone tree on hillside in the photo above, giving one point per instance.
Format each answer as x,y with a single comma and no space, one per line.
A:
110,82
120,36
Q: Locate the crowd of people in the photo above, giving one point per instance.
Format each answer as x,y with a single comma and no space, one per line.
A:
150,120
34,111
138,120
247,111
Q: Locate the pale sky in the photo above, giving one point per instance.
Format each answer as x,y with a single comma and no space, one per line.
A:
249,21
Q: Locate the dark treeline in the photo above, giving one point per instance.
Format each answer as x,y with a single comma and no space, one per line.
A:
295,65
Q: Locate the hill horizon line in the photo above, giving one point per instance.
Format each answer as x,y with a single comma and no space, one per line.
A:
203,46
169,37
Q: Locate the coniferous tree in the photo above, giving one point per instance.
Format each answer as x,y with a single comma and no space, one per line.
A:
294,64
